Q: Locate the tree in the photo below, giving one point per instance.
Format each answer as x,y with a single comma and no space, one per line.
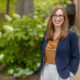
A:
7,6
24,7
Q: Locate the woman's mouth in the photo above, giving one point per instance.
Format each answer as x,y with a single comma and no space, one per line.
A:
57,22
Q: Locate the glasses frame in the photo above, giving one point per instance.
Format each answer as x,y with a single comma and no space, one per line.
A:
59,16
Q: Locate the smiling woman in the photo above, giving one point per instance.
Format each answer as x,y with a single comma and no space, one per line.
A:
60,50
57,23
58,18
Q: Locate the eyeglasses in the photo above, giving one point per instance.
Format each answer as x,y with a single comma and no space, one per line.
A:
60,16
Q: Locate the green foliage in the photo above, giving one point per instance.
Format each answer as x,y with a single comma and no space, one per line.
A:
20,41
22,72
3,4
73,28
19,72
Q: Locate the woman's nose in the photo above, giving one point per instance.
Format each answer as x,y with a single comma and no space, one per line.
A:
57,18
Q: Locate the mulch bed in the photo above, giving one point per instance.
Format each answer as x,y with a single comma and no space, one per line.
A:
30,77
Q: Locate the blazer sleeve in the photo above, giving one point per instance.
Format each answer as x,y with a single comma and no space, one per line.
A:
39,68
74,53
43,40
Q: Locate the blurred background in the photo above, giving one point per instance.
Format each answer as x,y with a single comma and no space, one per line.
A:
22,26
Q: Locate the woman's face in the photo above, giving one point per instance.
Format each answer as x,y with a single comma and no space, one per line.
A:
58,18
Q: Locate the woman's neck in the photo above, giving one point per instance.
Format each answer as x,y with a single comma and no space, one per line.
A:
57,29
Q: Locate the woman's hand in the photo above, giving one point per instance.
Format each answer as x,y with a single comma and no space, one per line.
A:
71,75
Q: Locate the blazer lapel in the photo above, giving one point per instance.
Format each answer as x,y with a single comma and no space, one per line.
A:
43,47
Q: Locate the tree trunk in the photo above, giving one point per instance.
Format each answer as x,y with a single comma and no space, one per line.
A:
24,7
7,6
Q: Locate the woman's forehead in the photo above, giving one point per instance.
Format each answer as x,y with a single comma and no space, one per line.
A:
59,11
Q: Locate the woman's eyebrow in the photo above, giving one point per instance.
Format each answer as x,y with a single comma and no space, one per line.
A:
58,14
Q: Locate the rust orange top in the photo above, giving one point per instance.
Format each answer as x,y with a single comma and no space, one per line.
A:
50,51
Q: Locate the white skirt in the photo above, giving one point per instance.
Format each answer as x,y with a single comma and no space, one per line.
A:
49,72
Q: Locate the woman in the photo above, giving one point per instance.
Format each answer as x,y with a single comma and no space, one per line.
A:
60,51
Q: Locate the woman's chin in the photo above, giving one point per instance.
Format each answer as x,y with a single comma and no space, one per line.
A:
58,25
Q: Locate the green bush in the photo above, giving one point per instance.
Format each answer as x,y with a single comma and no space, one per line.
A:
20,42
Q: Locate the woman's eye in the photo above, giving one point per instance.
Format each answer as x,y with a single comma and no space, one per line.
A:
61,15
57,15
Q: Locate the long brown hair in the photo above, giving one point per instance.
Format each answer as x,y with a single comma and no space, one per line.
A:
50,26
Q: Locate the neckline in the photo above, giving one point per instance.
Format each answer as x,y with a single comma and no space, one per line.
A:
58,37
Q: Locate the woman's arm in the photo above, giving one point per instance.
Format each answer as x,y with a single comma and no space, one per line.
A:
74,53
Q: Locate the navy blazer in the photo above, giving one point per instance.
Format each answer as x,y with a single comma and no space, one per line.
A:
67,55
